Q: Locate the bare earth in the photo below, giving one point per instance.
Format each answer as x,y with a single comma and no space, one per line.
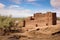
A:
47,33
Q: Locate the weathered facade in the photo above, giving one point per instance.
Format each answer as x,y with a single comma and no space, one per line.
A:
40,19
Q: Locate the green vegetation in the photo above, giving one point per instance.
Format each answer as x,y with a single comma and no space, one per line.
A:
58,18
8,21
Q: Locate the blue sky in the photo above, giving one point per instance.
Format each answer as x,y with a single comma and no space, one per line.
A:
37,4
24,8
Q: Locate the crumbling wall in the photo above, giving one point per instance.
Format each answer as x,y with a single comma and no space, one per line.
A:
39,20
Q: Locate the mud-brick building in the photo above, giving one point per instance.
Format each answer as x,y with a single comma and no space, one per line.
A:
40,19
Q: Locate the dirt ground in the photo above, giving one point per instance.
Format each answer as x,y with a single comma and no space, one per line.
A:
52,33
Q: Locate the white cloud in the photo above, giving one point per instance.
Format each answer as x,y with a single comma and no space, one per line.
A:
16,1
15,11
2,5
31,0
21,1
14,7
56,5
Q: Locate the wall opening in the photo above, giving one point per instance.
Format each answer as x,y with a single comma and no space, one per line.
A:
47,24
38,29
36,25
24,23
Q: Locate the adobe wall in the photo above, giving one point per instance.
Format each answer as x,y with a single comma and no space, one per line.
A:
39,20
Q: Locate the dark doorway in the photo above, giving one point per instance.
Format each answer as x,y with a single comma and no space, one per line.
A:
24,23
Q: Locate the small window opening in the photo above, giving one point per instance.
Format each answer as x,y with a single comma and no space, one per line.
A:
38,29
46,24
26,30
36,25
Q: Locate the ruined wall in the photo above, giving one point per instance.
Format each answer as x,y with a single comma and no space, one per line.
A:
39,20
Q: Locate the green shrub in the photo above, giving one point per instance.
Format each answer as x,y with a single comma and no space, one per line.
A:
6,22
